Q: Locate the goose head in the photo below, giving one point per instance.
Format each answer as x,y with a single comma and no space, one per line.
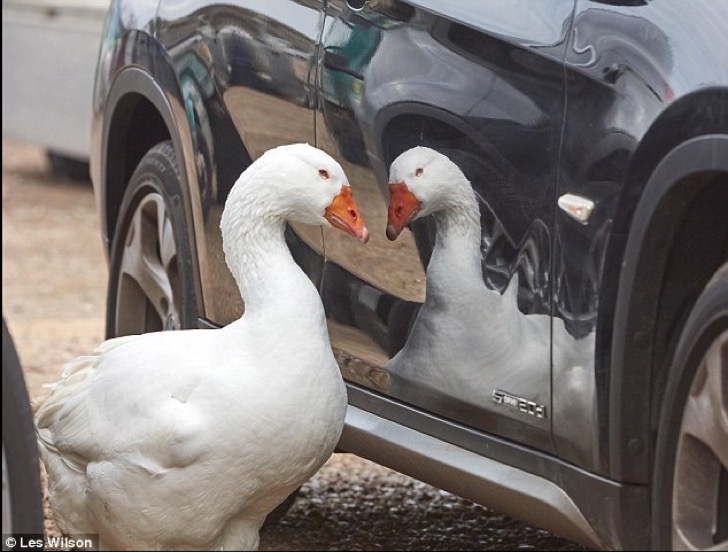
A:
301,183
422,181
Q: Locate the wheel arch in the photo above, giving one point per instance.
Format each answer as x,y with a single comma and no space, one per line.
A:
678,237
139,115
135,103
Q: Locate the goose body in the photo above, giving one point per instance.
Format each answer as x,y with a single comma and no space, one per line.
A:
188,439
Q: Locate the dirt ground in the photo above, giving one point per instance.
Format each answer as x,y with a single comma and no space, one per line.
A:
54,287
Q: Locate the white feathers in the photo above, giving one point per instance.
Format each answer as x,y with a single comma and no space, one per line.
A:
188,439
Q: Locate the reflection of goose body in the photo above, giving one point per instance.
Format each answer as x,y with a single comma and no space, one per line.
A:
188,439
467,339
466,336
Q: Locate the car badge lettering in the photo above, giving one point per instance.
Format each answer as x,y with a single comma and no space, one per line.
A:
520,404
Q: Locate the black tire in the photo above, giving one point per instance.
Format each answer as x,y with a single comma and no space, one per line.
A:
69,168
22,495
692,440
151,277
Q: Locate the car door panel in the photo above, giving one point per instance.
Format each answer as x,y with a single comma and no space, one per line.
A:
246,71
490,95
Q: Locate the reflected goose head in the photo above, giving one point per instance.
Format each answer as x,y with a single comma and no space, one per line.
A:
301,183
422,181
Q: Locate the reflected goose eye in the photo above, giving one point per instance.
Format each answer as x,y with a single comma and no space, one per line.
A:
419,171
323,173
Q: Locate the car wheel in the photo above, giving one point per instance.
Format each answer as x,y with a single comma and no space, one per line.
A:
22,506
690,486
151,286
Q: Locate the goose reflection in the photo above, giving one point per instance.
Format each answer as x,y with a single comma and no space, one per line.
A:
467,339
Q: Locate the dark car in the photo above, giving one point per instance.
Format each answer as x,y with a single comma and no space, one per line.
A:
594,134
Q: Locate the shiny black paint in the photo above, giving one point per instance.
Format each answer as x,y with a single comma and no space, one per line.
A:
496,104
221,56
532,99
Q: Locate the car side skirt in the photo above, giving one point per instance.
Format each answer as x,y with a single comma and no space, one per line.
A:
544,491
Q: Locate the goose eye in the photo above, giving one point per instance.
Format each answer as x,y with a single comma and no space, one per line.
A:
323,173
419,171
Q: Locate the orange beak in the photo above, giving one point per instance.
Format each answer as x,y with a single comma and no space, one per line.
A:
403,208
344,215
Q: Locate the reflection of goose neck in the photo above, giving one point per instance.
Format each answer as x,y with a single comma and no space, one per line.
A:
456,255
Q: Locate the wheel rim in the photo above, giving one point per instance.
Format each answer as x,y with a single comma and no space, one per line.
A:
148,295
700,485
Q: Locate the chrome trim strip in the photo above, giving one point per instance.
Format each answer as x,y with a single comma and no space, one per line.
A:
464,473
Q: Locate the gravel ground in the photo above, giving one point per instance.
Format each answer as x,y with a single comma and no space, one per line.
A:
54,285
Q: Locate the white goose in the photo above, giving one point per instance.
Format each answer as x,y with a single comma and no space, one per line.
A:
467,338
188,439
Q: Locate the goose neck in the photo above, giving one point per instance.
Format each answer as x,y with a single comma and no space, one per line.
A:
457,239
261,262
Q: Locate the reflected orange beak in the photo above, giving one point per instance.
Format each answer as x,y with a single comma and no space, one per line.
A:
344,215
403,208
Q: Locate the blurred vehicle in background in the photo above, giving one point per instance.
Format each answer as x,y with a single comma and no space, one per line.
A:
49,57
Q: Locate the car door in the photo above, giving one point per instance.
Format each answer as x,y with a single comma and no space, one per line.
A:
245,69
483,83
